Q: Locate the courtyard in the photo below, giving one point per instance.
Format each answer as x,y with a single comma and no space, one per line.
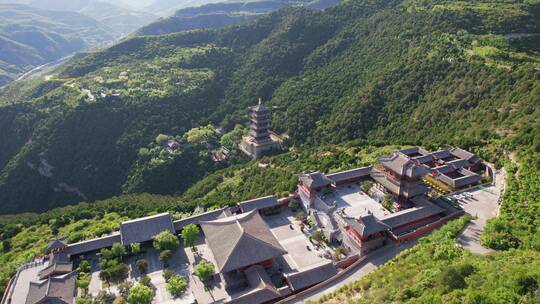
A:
301,252
355,202
178,264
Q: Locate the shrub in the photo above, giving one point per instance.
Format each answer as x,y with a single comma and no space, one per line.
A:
140,294
294,204
168,274
83,300
190,234
166,241
123,289
84,266
120,300
161,139
165,255
118,250
177,285
145,280
142,265
204,270
135,248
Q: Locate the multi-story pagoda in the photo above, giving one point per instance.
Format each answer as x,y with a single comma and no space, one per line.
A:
259,140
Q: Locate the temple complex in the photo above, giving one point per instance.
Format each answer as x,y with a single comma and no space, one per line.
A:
259,141
264,249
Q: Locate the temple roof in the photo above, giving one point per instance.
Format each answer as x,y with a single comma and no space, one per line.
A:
406,191
54,290
402,165
349,174
315,180
55,269
366,225
259,203
311,276
240,241
94,244
261,289
260,108
463,154
423,208
146,228
56,244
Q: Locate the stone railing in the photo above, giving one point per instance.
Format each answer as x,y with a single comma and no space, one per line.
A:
6,299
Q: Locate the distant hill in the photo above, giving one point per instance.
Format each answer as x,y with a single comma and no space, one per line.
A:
30,37
122,20
222,14
167,7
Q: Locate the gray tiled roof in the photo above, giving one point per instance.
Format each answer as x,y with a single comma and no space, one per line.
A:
444,169
55,269
240,241
259,108
146,228
366,225
408,191
350,174
203,217
403,165
469,178
441,154
423,159
259,203
261,289
94,244
311,276
58,257
463,154
459,163
423,208
56,244
53,290
315,180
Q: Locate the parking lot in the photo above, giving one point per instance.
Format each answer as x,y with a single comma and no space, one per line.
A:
482,203
294,241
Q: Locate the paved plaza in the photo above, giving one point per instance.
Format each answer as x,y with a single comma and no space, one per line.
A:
22,284
355,202
301,253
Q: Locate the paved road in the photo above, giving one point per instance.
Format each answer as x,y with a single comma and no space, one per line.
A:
376,259
484,205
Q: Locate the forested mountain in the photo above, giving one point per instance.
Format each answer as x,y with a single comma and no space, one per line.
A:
221,14
427,72
30,37
342,82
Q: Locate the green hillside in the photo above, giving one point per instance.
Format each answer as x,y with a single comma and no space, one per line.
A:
30,37
218,15
431,73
